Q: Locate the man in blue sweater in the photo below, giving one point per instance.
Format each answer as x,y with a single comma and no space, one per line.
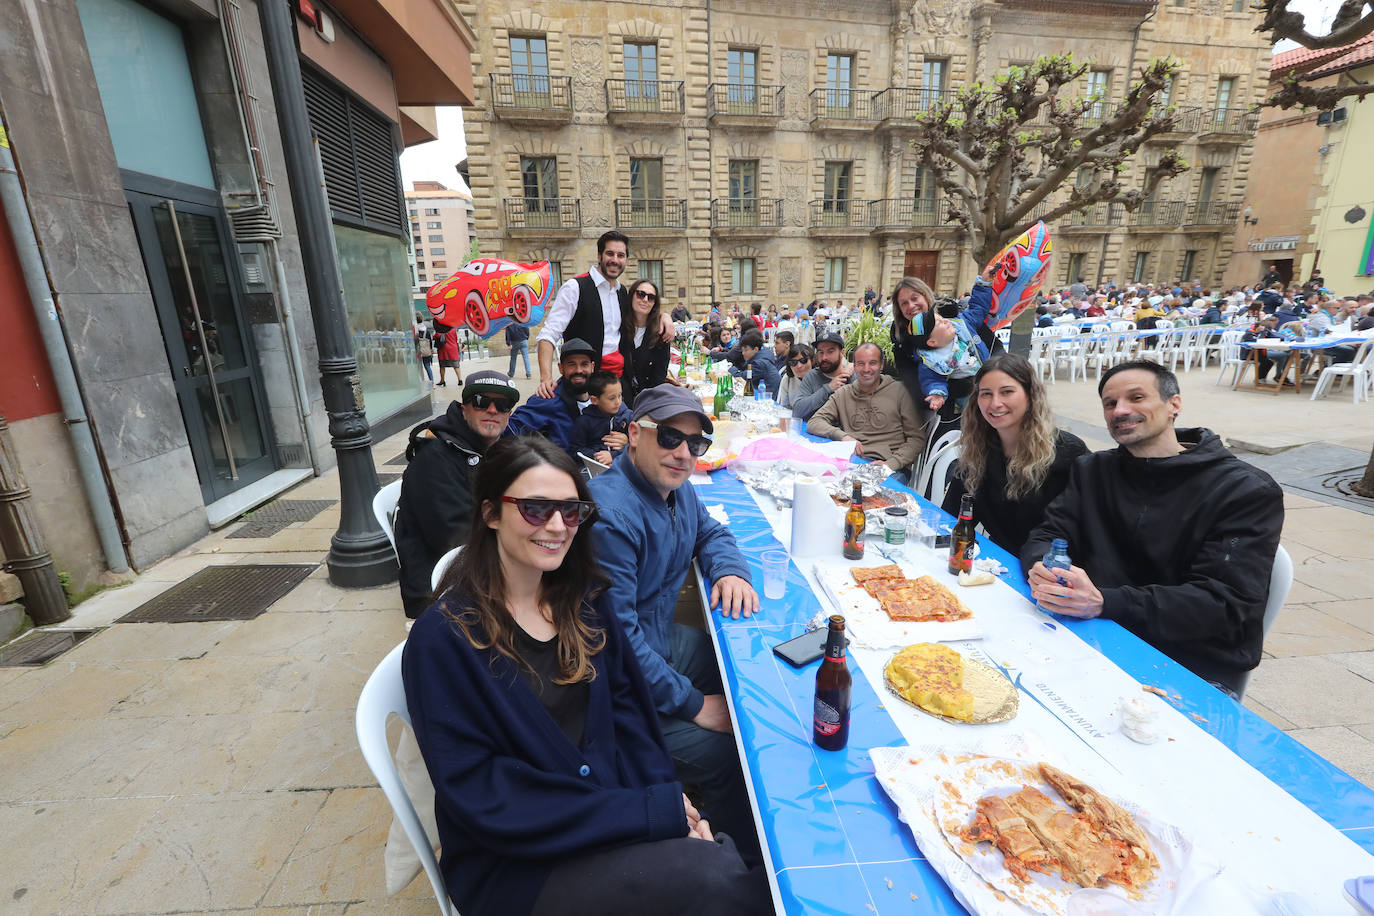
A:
556,417
650,529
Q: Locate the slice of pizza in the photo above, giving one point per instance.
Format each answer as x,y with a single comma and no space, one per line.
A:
939,601
997,823
864,574
1083,856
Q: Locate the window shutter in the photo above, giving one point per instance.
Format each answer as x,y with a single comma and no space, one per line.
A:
358,153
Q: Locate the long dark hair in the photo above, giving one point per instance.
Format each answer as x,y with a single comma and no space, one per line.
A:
901,327
478,582
652,321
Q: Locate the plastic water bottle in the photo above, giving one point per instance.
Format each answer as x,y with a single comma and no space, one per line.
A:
1057,557
761,392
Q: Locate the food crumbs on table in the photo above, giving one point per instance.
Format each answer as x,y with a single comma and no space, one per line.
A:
1196,717
914,897
870,906
889,883
1149,688
1001,897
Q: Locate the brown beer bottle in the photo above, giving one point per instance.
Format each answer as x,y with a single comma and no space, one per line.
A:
854,524
963,543
831,717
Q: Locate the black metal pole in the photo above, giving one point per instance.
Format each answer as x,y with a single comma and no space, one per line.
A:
359,554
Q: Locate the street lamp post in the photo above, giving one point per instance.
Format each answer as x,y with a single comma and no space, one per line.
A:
359,554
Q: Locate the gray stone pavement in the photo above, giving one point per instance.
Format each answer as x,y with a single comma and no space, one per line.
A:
191,768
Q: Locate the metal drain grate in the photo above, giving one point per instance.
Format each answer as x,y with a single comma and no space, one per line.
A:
398,461
384,478
277,515
221,593
41,647
1343,482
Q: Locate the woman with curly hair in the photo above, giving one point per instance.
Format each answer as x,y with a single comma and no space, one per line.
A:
1011,457
553,791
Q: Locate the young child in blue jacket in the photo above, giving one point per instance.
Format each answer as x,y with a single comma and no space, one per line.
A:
606,414
950,349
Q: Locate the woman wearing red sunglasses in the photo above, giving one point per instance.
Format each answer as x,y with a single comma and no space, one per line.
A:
553,790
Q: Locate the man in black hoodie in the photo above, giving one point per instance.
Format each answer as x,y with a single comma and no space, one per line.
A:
1171,535
436,508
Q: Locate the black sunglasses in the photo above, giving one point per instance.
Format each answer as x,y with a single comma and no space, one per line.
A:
669,439
483,401
798,361
538,511
641,294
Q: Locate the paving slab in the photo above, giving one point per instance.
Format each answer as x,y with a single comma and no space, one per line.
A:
337,858
1303,630
85,691
1358,612
1344,747
1313,692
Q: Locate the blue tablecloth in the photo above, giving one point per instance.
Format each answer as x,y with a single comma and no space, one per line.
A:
832,834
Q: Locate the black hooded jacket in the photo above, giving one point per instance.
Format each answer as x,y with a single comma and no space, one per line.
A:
1181,548
436,500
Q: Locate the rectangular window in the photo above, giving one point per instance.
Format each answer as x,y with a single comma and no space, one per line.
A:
529,63
1207,186
415,239
924,206
555,275
834,274
932,81
440,276
641,76
431,211
1240,6
1189,262
839,71
419,252
1075,269
646,192
434,224
742,276
836,202
742,66
653,272
1142,259
1084,177
433,238
419,265
539,180
1099,85
434,251
744,192
439,263
1225,87
1166,95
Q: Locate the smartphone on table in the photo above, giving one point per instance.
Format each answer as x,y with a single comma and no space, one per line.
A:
804,649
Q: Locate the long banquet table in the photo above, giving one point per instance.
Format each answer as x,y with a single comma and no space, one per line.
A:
833,838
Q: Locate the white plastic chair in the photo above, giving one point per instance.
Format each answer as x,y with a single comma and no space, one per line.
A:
1231,353
921,480
1072,352
384,507
1360,370
1044,365
1280,583
442,567
384,695
939,476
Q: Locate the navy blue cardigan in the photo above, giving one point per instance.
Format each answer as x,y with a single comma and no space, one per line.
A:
513,796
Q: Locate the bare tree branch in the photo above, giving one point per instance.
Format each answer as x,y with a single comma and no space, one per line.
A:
1352,23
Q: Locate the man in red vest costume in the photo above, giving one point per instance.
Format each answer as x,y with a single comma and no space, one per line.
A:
590,307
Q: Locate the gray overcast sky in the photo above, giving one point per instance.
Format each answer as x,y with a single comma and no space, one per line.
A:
436,161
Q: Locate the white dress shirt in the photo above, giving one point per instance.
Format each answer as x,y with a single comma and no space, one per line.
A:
565,304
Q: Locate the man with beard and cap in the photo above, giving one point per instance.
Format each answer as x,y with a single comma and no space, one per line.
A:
555,417
830,374
1171,535
435,508
651,528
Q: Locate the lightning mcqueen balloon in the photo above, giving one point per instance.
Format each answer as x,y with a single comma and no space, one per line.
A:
1017,272
486,294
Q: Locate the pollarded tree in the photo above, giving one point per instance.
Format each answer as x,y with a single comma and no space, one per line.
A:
1003,150
1354,20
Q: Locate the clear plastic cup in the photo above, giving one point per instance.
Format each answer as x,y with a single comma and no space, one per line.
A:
774,574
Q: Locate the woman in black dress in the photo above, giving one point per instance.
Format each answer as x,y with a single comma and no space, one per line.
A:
645,350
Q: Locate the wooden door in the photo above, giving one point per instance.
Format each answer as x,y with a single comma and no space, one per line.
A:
922,264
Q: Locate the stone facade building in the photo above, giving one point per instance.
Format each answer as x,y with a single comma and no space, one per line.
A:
761,151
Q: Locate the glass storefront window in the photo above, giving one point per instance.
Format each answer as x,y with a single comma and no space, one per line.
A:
377,293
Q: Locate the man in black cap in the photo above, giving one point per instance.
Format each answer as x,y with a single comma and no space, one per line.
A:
650,529
831,373
556,416
435,509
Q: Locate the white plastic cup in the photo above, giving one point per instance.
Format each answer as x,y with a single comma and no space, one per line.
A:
774,574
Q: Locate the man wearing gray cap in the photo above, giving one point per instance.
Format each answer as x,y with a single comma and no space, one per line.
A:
435,508
650,529
830,374
555,417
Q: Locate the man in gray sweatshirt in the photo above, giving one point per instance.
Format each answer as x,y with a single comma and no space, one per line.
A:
830,375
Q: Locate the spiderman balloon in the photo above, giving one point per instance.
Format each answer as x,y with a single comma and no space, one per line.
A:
1017,272
486,294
